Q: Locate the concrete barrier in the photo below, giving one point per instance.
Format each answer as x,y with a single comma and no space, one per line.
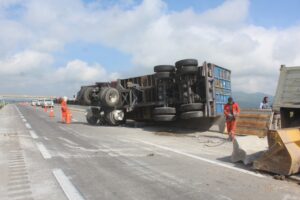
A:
248,148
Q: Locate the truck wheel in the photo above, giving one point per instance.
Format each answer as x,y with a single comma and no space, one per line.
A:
164,118
186,62
102,93
110,119
87,95
164,111
191,107
191,114
92,120
110,97
164,68
115,117
163,75
188,69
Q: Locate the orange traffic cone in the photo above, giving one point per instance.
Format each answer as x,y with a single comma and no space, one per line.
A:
68,117
51,113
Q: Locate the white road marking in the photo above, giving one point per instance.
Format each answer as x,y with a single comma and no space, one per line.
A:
46,138
69,189
68,141
33,134
24,120
74,120
204,159
28,125
45,153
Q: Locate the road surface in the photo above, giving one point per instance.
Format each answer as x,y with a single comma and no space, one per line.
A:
42,158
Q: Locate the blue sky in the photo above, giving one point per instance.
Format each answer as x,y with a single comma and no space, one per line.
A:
69,43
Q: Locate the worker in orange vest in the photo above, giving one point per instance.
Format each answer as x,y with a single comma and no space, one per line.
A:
231,111
64,108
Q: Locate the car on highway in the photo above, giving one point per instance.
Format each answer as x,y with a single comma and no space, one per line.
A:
39,103
34,102
48,103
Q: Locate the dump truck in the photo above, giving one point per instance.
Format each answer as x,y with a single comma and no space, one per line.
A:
283,156
174,92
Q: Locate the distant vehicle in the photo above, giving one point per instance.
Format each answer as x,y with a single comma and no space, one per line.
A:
39,102
34,102
48,103
172,93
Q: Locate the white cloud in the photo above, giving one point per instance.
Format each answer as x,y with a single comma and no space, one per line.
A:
80,71
23,62
152,35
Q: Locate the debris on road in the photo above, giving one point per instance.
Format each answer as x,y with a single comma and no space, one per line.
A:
248,148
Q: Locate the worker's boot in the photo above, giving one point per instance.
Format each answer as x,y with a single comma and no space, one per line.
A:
229,137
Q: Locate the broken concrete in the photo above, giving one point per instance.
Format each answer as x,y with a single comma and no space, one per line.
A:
248,148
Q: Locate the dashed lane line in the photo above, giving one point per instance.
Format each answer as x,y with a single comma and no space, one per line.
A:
33,134
69,189
203,159
28,125
45,153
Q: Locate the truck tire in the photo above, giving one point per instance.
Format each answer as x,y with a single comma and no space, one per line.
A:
186,62
164,111
191,114
163,75
164,68
111,119
110,97
164,118
188,70
92,120
87,96
191,107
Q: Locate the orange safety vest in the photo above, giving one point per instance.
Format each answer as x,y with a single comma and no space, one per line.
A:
63,106
232,109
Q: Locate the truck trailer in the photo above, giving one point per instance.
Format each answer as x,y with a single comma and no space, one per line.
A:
174,92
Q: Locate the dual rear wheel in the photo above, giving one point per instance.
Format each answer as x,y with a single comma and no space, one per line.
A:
164,114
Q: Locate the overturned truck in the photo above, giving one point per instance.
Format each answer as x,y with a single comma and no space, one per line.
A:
179,92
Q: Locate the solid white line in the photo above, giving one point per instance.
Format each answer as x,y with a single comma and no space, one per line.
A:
24,120
204,159
28,125
69,189
45,153
33,134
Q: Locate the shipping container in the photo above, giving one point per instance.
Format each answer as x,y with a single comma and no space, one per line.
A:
222,85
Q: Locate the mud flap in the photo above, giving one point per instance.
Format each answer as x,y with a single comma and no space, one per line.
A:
283,156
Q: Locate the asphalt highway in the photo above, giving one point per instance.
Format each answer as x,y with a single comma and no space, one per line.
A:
43,158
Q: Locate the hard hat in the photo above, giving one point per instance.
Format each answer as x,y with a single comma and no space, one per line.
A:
65,98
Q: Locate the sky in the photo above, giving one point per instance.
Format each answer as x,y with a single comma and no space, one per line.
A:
52,47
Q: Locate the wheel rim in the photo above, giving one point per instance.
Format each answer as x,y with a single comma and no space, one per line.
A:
113,98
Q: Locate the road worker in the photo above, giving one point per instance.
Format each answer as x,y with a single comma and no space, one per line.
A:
231,111
265,103
64,108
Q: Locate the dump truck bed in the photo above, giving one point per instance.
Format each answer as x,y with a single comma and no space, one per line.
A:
288,90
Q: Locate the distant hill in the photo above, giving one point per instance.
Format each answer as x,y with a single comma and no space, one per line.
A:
250,100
